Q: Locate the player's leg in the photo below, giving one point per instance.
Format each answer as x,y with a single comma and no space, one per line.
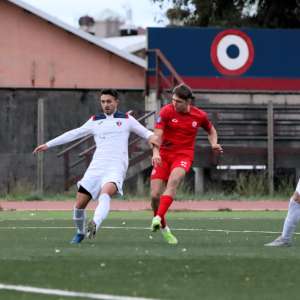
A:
290,222
102,209
157,186
159,177
180,166
166,199
82,199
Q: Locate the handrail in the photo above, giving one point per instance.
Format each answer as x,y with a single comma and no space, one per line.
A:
146,116
74,145
86,151
167,63
161,81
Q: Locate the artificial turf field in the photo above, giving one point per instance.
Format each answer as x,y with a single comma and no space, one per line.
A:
220,255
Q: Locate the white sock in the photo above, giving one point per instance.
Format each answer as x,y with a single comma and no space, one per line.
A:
79,219
102,209
291,220
166,229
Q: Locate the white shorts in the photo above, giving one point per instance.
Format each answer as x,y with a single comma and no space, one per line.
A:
93,183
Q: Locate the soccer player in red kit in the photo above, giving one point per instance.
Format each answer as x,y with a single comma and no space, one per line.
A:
177,127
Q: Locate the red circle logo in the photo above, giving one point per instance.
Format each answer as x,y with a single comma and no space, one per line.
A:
232,52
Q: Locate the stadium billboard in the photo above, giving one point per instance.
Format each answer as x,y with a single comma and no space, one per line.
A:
231,59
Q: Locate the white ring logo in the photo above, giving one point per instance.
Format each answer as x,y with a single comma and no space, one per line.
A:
232,52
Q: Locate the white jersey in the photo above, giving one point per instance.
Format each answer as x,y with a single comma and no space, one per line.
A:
111,134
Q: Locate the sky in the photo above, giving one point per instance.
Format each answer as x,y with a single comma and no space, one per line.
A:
144,12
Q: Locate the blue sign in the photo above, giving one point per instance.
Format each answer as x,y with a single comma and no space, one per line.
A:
214,58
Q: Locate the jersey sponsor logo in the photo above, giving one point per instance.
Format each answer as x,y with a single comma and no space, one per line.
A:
194,124
183,163
119,123
174,120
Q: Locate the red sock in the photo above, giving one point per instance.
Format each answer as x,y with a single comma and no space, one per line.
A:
164,204
163,220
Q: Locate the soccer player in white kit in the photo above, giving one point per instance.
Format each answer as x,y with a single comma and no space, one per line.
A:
290,222
107,170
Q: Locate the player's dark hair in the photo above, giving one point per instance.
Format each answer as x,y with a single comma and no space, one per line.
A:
183,92
110,92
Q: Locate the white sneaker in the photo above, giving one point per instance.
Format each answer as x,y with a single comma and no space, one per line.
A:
156,223
279,242
168,236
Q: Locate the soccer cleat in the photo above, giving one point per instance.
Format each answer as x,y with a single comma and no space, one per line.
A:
169,237
155,225
78,238
279,242
91,230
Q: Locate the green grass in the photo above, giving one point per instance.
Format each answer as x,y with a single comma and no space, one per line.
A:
33,196
126,261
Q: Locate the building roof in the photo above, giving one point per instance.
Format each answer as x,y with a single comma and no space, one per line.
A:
129,44
82,34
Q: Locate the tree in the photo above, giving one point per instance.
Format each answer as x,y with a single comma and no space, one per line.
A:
235,13
277,14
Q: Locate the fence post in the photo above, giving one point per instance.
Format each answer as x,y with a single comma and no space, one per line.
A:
198,180
40,140
140,184
271,147
66,170
157,79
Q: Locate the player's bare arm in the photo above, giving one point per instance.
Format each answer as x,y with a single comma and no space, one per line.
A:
66,137
40,148
156,159
154,140
213,140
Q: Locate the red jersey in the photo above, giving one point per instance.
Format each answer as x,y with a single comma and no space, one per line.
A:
180,129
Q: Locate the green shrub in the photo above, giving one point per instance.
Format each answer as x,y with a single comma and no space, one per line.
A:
252,184
286,186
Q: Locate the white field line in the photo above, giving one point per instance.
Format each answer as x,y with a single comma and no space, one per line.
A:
147,228
36,290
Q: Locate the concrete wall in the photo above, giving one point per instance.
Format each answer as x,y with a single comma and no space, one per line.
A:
246,98
64,110
36,53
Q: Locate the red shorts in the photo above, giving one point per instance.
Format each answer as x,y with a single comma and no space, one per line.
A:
168,163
